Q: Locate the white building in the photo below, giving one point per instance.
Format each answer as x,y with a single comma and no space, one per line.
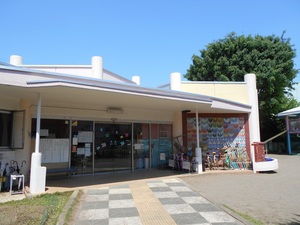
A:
87,119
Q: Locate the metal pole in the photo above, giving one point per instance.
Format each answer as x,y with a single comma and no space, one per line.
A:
288,135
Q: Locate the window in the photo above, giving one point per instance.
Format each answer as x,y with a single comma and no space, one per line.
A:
12,129
51,128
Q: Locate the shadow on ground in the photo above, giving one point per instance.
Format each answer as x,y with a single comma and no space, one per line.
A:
80,181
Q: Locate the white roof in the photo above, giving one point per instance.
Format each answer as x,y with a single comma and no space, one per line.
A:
58,89
290,112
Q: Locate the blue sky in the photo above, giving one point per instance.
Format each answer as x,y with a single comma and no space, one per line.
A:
149,38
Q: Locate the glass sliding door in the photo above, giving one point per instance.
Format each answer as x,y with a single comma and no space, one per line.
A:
112,147
82,146
142,155
161,145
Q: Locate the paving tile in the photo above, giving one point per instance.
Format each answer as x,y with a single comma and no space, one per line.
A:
119,186
205,207
171,180
160,184
189,218
217,217
120,196
119,191
170,201
127,203
180,188
169,194
97,191
187,194
195,199
179,209
125,221
96,198
161,189
94,205
123,212
175,184
93,214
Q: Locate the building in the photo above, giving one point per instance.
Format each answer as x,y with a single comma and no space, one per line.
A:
56,117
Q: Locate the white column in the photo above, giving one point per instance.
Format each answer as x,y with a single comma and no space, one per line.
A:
198,149
38,126
254,127
16,60
97,68
175,81
37,172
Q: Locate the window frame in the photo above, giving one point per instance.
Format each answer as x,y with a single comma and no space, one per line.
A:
16,135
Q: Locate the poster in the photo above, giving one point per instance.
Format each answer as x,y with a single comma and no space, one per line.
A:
85,136
80,151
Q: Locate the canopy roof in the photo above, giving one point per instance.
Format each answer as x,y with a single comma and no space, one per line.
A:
61,89
290,112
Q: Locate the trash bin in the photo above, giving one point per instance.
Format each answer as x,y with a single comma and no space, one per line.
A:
140,163
146,163
259,151
195,166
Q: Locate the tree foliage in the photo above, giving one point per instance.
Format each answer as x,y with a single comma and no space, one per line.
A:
269,57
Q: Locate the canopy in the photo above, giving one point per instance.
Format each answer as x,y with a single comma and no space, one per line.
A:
290,112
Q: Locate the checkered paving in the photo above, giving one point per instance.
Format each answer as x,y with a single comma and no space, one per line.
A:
116,205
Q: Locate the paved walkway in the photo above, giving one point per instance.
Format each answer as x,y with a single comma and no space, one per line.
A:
270,197
159,201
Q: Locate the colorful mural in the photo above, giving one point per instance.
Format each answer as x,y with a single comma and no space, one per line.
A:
215,133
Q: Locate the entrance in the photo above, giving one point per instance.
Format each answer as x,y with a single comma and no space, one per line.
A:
112,147
99,147
103,147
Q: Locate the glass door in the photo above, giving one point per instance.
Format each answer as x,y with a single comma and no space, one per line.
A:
82,146
161,145
112,147
142,154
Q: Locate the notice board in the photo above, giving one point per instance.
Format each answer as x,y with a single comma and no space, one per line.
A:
54,150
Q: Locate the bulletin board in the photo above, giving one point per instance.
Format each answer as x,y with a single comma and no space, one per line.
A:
54,150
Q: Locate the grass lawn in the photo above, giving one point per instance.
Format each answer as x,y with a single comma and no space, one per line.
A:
42,209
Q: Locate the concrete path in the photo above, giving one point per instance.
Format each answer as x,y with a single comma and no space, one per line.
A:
273,198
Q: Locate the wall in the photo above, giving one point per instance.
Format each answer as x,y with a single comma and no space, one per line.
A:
236,91
19,155
129,115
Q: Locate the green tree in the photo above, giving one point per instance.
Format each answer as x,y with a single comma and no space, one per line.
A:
270,58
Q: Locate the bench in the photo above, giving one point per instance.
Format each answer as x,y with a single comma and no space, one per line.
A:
69,171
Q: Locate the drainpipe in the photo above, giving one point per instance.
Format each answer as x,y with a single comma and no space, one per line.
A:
37,172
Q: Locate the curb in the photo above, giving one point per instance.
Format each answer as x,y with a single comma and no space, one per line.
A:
66,208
